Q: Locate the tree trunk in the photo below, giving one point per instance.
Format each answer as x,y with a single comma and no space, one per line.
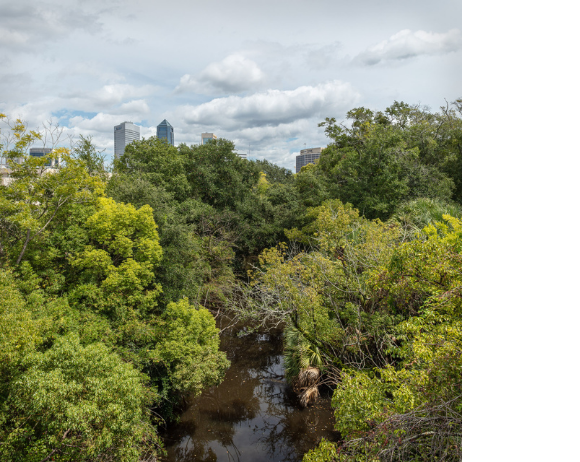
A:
24,247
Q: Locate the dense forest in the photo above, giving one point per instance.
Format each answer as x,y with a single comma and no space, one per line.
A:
111,279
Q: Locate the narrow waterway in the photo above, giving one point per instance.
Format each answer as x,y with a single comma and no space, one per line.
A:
252,415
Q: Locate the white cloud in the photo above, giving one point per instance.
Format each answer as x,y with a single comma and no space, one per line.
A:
277,133
272,125
100,123
10,38
321,58
26,26
234,74
407,44
106,97
272,107
138,107
78,58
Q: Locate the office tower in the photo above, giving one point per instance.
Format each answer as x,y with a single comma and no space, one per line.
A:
307,156
41,152
207,137
165,132
125,134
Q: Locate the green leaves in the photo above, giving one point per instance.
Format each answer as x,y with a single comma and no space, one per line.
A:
386,158
188,345
35,199
77,403
116,267
385,309
358,399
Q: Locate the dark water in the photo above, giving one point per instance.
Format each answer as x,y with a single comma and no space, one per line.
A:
252,415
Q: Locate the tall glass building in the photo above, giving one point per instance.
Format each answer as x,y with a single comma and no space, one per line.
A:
307,156
125,134
165,132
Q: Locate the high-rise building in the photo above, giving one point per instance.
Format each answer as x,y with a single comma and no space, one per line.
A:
207,137
125,134
41,152
165,132
307,156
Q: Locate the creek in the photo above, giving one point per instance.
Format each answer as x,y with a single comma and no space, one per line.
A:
253,415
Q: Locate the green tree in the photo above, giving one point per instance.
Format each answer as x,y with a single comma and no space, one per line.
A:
217,175
385,158
196,239
274,173
35,198
59,397
380,314
94,160
208,203
188,348
312,186
77,403
158,163
115,269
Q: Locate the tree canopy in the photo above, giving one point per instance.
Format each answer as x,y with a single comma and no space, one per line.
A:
110,280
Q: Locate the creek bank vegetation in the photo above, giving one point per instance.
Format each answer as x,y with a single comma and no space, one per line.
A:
110,282
379,317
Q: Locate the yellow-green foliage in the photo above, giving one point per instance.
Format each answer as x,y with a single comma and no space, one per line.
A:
329,294
119,261
262,185
78,403
432,341
35,199
325,451
20,333
385,310
82,402
18,136
358,398
188,347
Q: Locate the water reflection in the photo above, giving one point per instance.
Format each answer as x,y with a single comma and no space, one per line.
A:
252,415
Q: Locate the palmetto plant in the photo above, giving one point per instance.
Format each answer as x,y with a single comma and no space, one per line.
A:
302,361
299,354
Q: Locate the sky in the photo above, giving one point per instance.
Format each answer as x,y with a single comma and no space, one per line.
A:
262,74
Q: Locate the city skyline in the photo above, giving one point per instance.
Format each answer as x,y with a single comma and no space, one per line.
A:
263,82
